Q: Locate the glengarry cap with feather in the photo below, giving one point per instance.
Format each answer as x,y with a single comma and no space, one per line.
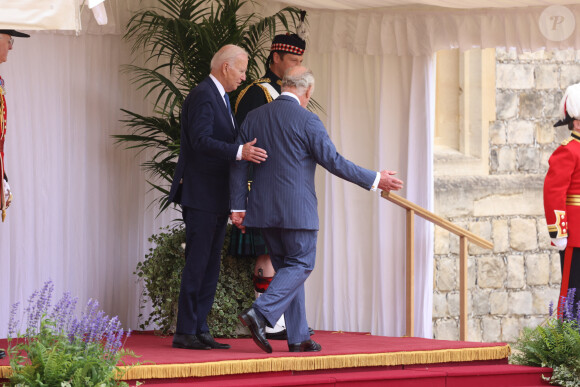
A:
292,43
570,106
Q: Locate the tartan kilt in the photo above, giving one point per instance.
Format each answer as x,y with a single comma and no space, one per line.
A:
248,245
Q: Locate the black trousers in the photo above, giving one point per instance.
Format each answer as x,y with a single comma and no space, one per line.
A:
204,239
574,279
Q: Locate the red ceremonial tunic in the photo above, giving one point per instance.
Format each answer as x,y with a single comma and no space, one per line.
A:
562,191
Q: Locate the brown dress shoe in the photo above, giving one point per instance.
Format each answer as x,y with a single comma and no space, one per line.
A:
205,338
188,342
305,346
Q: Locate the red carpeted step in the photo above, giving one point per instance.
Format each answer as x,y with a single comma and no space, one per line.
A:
451,376
493,375
391,378
388,378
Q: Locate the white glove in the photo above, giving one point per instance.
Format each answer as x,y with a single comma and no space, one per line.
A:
560,243
6,190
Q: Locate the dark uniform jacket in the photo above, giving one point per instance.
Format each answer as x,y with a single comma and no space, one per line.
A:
256,95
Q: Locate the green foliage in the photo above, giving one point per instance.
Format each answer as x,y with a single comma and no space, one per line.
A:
51,360
161,274
179,38
59,349
555,344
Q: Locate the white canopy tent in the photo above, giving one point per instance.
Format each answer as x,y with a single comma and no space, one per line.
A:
80,215
65,14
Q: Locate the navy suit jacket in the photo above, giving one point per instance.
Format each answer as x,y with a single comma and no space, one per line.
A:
201,178
283,193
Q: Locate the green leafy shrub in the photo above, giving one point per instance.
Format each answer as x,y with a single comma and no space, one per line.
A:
554,344
59,349
161,273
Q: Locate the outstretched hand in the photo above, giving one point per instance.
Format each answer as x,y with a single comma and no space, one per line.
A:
388,182
253,153
237,219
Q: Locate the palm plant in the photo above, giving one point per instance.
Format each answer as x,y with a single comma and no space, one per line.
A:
179,39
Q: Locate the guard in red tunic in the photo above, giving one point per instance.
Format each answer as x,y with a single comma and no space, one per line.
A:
562,195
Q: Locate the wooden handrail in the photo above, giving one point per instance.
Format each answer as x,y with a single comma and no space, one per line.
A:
464,236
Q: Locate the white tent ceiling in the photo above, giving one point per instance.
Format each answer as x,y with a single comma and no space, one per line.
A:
360,4
39,14
65,14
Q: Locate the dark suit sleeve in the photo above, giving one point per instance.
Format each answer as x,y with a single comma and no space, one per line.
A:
253,98
202,116
239,177
324,152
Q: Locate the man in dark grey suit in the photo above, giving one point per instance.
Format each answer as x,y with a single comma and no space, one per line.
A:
201,186
282,202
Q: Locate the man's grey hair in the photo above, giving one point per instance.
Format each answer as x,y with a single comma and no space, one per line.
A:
300,82
227,54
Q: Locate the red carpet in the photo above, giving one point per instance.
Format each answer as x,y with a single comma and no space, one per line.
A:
340,350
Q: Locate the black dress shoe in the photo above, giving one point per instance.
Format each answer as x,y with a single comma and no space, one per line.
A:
205,338
283,335
257,324
188,342
305,346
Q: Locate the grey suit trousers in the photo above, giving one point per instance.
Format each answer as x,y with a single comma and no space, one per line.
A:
293,254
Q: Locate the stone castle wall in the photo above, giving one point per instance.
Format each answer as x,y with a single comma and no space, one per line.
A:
510,287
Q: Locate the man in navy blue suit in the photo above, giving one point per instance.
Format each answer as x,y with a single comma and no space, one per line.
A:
282,202
201,186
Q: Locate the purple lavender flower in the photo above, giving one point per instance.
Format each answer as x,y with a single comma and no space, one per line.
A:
92,328
28,311
561,303
569,305
38,306
62,312
13,322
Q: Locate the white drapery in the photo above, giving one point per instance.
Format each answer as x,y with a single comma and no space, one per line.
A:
359,281
378,71
80,215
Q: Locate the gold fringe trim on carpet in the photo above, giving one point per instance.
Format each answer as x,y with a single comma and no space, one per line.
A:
305,363
309,363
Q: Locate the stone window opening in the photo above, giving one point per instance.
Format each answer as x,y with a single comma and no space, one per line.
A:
464,108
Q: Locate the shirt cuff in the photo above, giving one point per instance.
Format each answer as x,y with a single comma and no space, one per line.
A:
239,155
376,183
238,210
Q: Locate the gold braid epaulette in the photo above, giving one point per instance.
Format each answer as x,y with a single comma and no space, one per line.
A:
574,136
257,83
